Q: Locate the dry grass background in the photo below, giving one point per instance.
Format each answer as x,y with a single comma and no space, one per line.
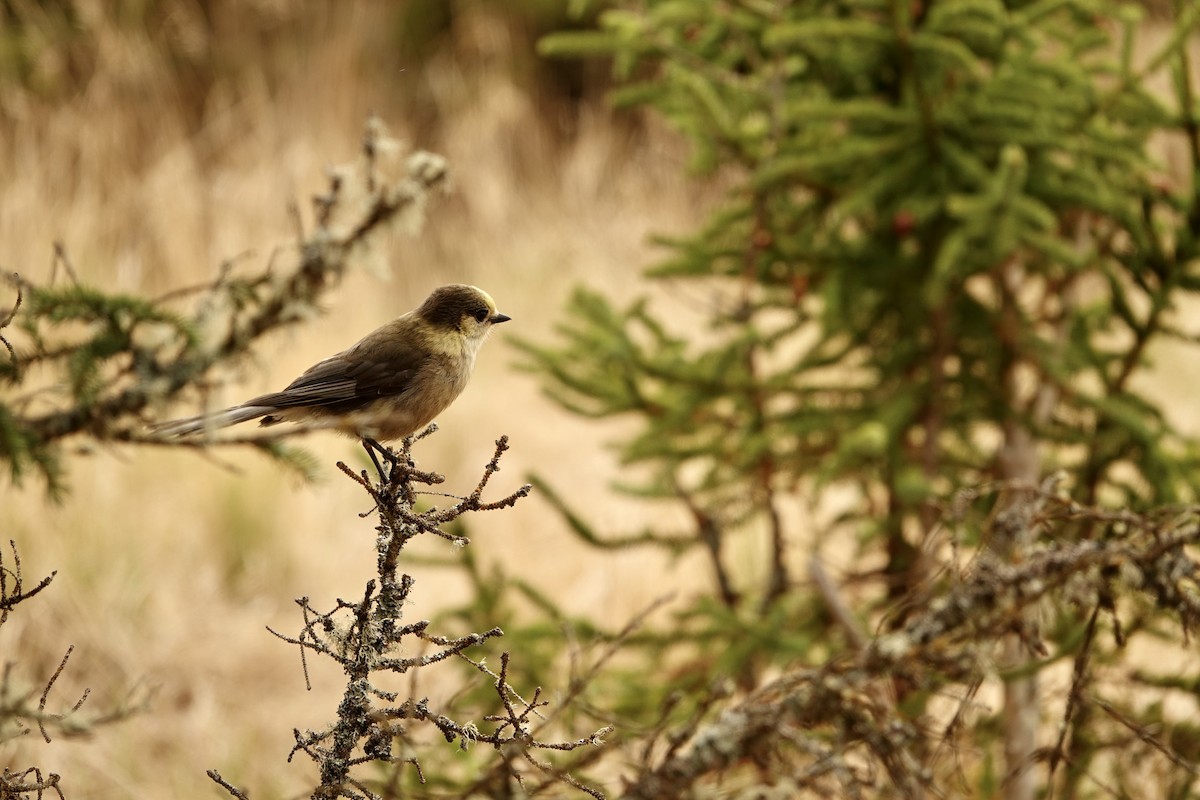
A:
170,564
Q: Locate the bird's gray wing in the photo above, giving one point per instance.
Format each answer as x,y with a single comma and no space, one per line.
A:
345,382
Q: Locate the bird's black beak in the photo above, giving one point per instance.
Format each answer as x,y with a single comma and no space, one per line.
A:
498,317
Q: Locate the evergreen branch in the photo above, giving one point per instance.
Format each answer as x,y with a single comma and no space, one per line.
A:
106,401
674,543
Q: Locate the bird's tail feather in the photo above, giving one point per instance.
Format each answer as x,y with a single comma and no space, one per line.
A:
207,422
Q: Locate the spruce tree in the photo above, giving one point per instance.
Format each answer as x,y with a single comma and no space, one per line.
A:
943,256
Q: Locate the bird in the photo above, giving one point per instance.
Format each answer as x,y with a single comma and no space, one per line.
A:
387,386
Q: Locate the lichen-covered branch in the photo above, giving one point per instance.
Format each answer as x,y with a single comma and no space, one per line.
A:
816,725
370,639
110,357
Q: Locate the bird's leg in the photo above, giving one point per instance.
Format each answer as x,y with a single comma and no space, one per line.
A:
372,447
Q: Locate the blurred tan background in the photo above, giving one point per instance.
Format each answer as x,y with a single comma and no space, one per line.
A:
156,141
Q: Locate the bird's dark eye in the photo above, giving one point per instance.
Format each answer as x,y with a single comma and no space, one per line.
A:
480,315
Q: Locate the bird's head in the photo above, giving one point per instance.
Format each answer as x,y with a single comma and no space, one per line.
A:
468,310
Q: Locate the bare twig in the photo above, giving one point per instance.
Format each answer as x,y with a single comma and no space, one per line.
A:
46,694
226,785
1075,698
1145,735
833,601
12,314
10,596
29,781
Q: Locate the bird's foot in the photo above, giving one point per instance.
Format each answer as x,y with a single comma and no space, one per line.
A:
373,447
